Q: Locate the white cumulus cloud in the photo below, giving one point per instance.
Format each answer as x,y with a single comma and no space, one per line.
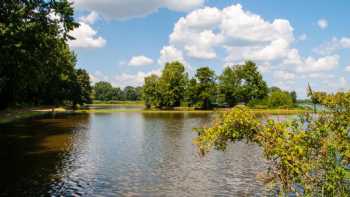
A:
284,75
137,79
86,37
140,61
90,18
321,64
242,34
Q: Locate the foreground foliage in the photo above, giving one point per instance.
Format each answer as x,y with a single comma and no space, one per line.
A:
308,156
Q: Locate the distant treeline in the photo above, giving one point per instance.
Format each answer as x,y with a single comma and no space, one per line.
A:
237,84
104,91
36,65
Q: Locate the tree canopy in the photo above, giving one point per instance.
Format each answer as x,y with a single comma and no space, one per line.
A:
242,83
167,90
201,90
37,66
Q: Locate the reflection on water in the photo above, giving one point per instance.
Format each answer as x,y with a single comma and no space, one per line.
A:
121,154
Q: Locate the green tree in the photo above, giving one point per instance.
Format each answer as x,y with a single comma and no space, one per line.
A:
104,91
117,94
81,88
36,63
280,98
191,96
151,91
251,84
130,93
242,83
172,84
228,86
293,94
205,88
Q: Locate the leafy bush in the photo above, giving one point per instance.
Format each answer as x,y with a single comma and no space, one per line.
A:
309,156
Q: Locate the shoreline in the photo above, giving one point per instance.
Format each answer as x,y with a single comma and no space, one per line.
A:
11,115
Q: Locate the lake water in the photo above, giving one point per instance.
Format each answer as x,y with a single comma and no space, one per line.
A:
121,154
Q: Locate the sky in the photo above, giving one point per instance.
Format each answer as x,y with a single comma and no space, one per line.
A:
293,43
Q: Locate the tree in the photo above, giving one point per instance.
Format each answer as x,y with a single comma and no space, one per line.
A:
81,88
151,91
293,94
251,84
36,61
205,87
117,94
191,96
172,84
104,91
280,98
242,83
130,93
228,86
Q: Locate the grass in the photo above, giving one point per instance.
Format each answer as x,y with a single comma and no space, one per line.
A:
13,114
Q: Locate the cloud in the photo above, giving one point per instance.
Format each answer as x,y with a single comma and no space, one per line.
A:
204,31
311,64
333,45
122,9
124,79
140,61
86,37
169,54
284,75
90,18
322,23
98,76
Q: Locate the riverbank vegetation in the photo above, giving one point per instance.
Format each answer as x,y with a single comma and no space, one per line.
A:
239,84
37,65
308,156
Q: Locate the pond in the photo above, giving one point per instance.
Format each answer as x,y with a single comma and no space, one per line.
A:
122,154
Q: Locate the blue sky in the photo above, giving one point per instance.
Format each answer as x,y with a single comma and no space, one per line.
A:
292,42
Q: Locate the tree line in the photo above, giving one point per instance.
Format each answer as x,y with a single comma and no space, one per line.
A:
37,65
104,91
205,90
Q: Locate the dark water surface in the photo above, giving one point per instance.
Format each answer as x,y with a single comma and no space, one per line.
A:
121,154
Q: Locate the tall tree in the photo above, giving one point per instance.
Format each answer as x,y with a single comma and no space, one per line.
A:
151,91
82,92
103,91
242,83
130,93
34,52
205,87
172,84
